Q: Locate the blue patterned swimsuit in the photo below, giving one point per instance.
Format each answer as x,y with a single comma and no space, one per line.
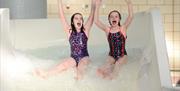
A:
78,43
116,45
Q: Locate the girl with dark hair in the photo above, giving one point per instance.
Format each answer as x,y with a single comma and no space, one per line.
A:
78,35
116,36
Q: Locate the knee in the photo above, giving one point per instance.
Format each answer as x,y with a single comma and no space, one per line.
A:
111,62
119,62
69,63
85,62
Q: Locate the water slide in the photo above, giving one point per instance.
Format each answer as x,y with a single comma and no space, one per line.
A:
28,44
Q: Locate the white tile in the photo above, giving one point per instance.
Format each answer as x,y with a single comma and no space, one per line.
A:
177,17
177,27
168,27
177,2
177,9
169,2
165,9
143,8
177,45
177,36
169,35
168,18
155,2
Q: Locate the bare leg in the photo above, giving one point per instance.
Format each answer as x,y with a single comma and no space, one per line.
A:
67,63
107,68
82,67
117,67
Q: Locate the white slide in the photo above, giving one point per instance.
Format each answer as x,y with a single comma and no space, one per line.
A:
41,43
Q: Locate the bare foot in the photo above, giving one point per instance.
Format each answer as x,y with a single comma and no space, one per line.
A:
40,73
78,77
107,73
101,73
111,76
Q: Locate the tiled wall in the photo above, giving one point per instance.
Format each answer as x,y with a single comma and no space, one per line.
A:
25,9
170,10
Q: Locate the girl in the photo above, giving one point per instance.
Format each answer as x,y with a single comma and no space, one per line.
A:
78,35
116,35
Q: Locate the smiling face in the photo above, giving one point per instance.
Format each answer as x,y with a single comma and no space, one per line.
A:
114,18
77,21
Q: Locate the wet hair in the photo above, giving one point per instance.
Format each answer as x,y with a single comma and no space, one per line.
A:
72,24
118,14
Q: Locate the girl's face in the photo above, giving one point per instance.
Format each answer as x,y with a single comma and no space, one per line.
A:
114,19
78,22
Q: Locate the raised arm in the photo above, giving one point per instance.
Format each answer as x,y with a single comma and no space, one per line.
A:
96,18
90,19
66,26
130,14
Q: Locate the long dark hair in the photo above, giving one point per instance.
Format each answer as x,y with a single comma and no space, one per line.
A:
72,24
118,14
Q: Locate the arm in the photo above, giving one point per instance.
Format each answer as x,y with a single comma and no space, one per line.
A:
62,17
130,15
96,18
90,20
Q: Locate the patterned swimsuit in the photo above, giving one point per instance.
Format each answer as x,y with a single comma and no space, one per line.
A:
78,43
116,45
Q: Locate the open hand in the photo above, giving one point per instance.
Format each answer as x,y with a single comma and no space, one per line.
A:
98,2
128,1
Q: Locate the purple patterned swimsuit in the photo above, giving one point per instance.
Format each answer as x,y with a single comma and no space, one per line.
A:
78,43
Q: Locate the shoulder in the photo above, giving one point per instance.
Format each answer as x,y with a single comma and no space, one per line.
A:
69,32
107,30
123,28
